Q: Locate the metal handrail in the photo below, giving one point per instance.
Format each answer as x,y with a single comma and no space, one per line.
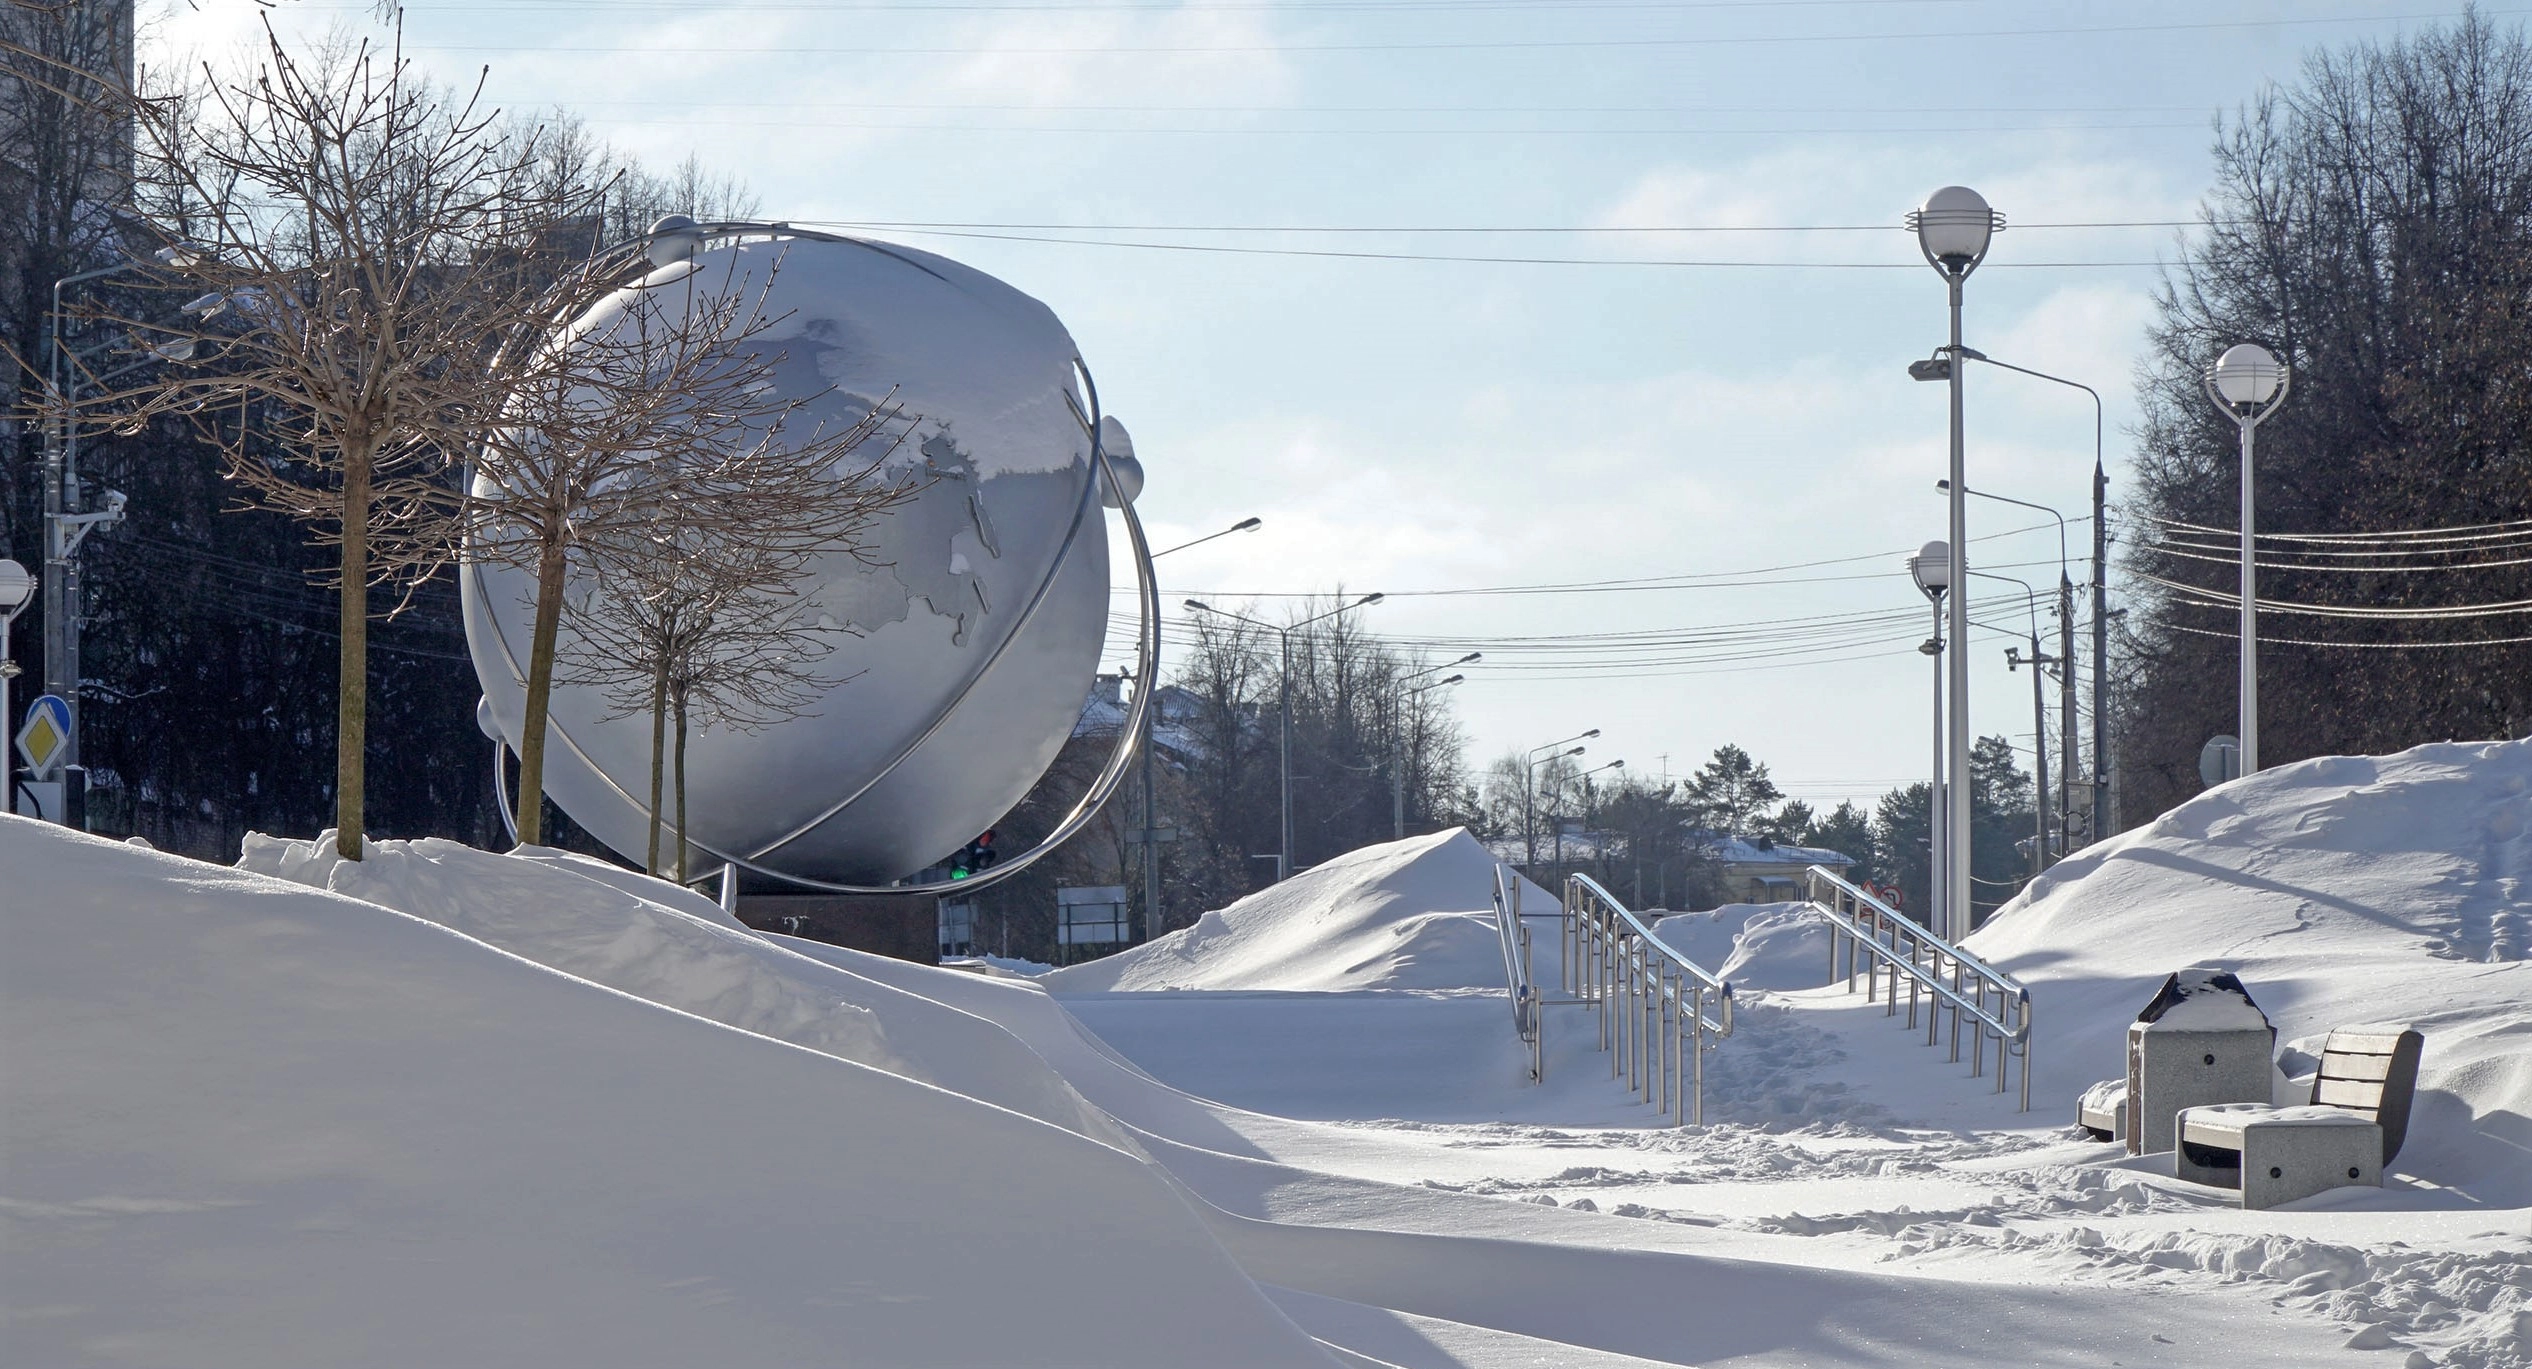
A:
1891,944
1652,999
1527,1020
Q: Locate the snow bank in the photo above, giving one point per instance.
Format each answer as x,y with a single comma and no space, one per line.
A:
2341,890
635,934
1413,914
255,1124
1753,945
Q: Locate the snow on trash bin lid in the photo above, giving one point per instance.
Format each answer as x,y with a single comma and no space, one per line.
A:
2204,998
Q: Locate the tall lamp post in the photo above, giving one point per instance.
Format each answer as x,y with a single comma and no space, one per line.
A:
2065,667
1529,790
1954,229
1931,568
1397,743
2039,719
1283,857
1151,805
16,587
2095,828
2248,384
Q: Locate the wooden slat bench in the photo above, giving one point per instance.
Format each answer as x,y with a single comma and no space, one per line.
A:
2352,1129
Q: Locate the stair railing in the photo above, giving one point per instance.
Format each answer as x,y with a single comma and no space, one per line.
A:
1653,1001
1884,945
1518,983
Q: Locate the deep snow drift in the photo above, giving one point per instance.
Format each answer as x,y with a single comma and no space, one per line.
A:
256,1124
1416,914
451,1107
2341,890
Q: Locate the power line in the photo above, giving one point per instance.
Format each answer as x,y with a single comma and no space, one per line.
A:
909,224
1226,249
2360,646
2465,533
1452,45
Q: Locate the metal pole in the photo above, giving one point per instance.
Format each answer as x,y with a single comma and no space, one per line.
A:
1397,783
1151,822
1957,852
2250,619
1283,859
1938,883
2067,759
2039,756
2100,826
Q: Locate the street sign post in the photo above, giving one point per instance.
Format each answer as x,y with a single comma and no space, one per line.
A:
44,740
2220,760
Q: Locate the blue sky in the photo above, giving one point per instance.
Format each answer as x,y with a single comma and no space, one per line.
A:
1415,425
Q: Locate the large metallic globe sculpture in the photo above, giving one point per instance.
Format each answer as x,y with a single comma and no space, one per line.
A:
965,653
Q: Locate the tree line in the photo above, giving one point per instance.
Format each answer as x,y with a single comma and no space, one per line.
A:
333,375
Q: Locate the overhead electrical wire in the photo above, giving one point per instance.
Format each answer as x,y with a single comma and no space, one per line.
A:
1445,45
2216,598
2354,646
2468,532
1228,249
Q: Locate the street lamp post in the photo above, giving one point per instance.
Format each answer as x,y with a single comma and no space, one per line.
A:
2039,720
2065,669
64,525
1931,568
1151,796
1397,742
2248,384
1529,788
1529,792
2095,828
1283,857
16,587
1954,229
1585,777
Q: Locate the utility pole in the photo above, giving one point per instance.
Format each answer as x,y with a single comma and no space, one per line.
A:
2101,820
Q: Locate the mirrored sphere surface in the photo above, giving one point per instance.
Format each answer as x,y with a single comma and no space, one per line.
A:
965,645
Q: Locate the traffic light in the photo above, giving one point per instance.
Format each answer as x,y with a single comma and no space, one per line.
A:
975,856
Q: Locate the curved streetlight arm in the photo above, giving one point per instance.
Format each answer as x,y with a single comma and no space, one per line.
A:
2036,508
1244,525
1579,736
1202,607
1365,602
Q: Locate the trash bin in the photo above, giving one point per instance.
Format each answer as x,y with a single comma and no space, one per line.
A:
2200,1041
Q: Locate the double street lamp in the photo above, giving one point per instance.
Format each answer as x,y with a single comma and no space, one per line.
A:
2248,384
1151,720
1397,737
2065,669
1954,229
1283,857
1529,788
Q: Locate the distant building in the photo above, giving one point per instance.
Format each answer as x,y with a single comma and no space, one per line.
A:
1756,870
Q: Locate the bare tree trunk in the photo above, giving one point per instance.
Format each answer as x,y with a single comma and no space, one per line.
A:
681,786
351,716
540,693
659,753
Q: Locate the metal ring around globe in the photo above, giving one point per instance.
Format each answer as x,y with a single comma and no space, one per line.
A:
1085,510
1147,661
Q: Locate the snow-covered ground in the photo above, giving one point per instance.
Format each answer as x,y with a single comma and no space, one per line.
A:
451,1107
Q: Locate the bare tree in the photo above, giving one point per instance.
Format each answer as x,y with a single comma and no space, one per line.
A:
696,562
364,239
650,426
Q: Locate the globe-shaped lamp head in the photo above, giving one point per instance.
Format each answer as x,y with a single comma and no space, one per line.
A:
1954,226
1931,567
2247,375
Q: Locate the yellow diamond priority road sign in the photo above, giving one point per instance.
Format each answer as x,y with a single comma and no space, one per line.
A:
45,738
